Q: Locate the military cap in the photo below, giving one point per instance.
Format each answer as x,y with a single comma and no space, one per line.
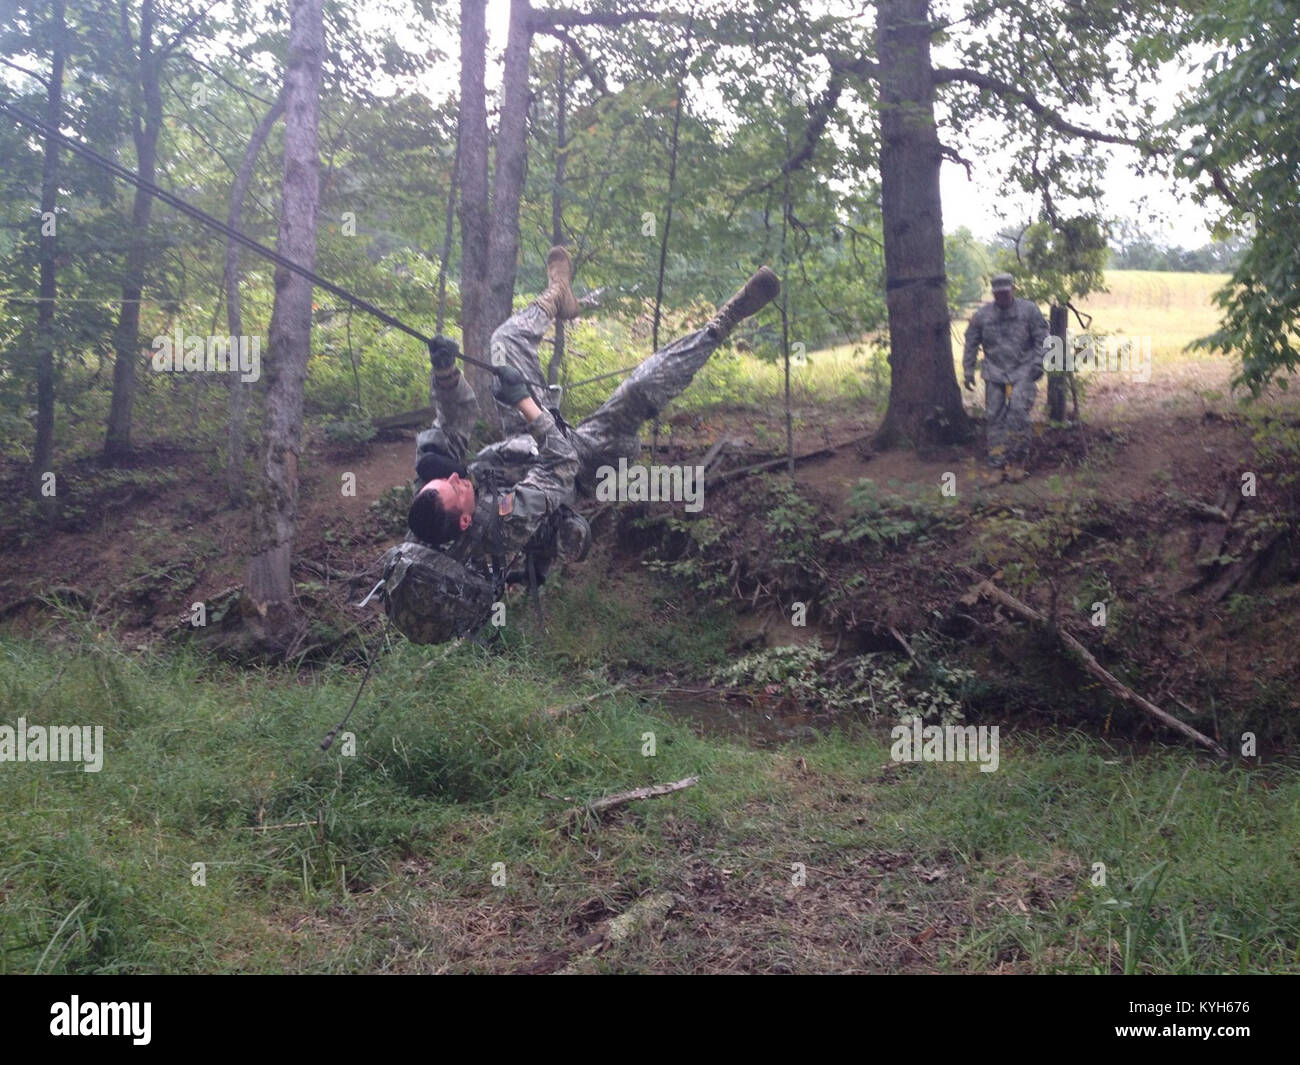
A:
1003,281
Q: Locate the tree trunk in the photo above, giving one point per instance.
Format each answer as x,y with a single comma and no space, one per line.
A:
235,446
511,162
126,337
444,255
557,201
268,589
924,400
43,452
475,324
1057,320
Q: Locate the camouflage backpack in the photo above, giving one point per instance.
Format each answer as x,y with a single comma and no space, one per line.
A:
432,598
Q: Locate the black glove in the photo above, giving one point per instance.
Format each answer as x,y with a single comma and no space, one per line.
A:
510,386
970,381
433,465
443,353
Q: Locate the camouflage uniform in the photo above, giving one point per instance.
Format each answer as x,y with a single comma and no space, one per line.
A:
611,431
519,483
1013,353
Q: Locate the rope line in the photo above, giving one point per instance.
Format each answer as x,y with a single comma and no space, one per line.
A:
229,232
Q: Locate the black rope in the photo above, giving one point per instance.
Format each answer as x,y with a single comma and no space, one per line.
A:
328,741
221,227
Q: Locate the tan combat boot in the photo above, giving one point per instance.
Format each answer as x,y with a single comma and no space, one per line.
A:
557,299
756,293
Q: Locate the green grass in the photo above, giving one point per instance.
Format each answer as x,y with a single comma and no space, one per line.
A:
452,772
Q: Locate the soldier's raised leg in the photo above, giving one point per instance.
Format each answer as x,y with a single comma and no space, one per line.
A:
516,340
612,430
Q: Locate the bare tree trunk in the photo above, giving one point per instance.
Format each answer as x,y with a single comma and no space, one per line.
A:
444,255
268,588
475,311
43,452
668,222
924,400
235,445
509,167
557,200
126,337
1057,320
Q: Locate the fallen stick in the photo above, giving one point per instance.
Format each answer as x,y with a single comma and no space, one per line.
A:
406,419
608,802
1108,680
1200,509
581,704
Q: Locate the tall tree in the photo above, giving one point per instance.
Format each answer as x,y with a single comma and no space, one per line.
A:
1024,62
146,53
268,588
234,318
490,236
46,342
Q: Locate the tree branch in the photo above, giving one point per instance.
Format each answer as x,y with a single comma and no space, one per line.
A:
540,19
818,115
589,68
1031,103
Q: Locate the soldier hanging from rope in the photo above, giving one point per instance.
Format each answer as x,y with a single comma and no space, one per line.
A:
534,476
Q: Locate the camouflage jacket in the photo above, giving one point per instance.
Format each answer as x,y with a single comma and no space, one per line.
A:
1012,340
519,483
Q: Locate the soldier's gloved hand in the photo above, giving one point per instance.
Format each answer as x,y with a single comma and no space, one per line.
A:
510,386
443,353
1037,371
970,381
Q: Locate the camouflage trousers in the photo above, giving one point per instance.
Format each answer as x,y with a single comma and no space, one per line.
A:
611,431
1006,409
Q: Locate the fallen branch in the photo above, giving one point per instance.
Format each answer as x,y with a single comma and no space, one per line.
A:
581,704
642,916
1199,508
1108,680
1241,572
758,467
406,419
609,802
898,636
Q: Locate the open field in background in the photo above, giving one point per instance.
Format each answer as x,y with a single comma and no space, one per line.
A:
1172,308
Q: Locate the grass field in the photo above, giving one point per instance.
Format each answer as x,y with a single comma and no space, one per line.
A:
384,860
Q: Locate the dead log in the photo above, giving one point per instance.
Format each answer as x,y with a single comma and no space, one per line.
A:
1209,557
1108,680
405,420
1241,572
759,467
1199,509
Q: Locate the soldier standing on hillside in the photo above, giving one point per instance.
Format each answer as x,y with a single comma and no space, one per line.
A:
1012,332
